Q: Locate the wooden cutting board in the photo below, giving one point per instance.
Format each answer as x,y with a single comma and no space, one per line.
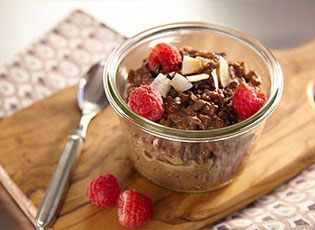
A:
31,142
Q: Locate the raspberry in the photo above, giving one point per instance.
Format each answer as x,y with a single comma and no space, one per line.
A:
104,190
134,208
147,102
247,101
164,58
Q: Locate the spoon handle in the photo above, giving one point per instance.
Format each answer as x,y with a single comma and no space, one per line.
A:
59,182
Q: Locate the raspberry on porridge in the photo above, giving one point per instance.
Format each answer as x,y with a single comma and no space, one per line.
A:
200,89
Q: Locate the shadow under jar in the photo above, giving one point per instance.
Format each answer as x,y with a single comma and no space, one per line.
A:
191,160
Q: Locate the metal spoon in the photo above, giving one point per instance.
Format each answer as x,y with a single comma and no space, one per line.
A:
91,100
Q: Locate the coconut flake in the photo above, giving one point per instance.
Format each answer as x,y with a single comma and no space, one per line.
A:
215,78
190,65
204,61
223,72
197,77
162,84
180,83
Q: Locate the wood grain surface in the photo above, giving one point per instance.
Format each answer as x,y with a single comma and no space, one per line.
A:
31,142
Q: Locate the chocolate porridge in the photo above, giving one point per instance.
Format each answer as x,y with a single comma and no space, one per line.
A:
205,105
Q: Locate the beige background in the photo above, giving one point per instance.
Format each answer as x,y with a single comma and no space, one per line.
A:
276,23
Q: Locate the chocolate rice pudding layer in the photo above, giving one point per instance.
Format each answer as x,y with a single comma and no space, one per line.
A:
193,166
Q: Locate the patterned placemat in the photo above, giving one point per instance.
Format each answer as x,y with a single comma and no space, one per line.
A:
290,206
57,60
60,57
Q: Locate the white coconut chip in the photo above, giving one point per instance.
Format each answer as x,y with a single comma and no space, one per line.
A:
204,61
215,78
190,65
223,72
180,83
197,77
162,84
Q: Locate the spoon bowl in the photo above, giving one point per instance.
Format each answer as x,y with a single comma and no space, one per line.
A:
90,94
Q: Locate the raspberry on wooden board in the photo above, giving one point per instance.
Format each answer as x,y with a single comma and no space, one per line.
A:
134,208
104,190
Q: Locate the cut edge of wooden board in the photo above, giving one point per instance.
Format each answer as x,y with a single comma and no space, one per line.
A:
19,197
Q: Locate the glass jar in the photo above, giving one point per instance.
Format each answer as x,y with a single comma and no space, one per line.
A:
191,160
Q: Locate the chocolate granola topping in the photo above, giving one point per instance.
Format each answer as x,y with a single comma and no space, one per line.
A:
206,105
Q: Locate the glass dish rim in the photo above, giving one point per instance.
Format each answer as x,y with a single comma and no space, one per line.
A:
121,107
